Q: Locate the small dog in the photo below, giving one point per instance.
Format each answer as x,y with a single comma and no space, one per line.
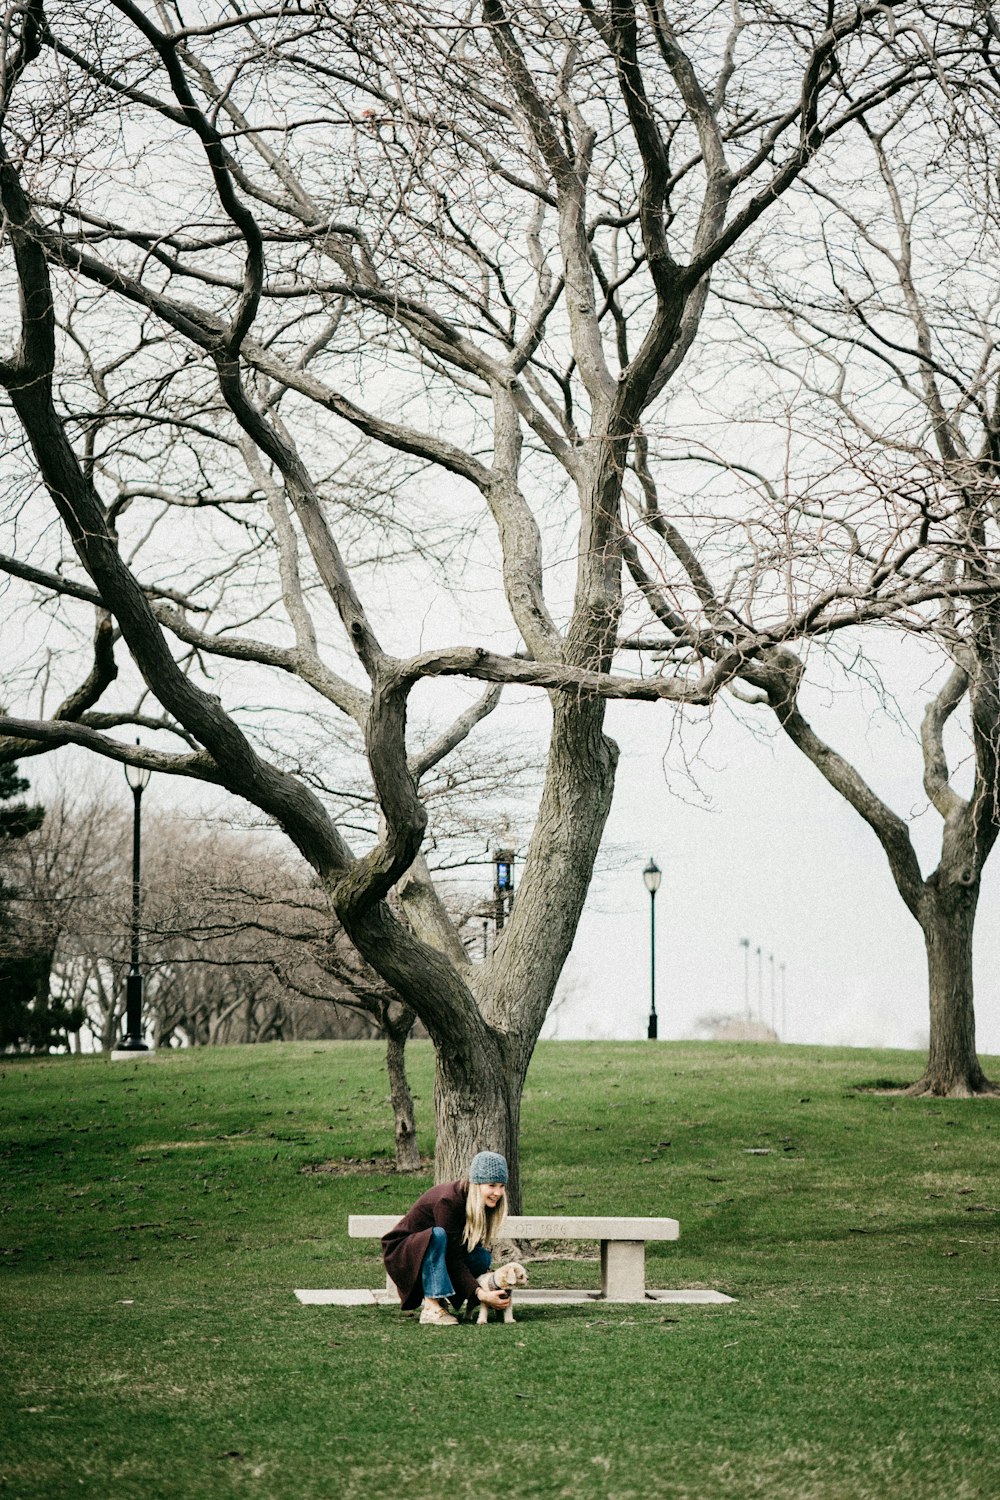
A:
503,1279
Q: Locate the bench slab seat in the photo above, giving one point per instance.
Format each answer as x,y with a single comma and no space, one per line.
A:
622,1241
541,1227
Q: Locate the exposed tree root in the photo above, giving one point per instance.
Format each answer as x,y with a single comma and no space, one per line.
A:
937,1088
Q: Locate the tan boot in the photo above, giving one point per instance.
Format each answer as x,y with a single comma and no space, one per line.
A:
434,1313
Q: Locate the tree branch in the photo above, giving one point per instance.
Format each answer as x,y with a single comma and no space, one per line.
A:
936,714
890,830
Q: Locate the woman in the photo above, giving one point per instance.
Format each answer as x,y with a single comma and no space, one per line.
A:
437,1251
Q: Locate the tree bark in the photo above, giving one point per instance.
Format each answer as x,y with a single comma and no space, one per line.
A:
947,917
477,1107
404,1119
111,1019
478,1086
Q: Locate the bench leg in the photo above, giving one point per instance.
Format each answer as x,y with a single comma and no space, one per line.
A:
392,1288
623,1270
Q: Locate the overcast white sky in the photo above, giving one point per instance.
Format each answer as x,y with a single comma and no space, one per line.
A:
779,858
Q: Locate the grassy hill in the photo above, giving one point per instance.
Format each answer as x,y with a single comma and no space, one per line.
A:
155,1216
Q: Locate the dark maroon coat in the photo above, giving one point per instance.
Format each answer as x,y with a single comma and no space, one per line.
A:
404,1247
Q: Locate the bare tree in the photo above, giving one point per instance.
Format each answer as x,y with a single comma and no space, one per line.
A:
237,941
346,231
885,369
235,935
246,948
67,872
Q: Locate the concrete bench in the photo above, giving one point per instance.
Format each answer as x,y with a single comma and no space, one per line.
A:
623,1244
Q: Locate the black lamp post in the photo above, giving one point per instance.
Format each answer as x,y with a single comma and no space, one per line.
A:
138,779
503,885
652,876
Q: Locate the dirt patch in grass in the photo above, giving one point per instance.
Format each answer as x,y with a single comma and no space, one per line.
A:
359,1166
215,1140
556,1250
881,1086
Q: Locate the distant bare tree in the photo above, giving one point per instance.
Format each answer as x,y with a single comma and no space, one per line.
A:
67,872
885,366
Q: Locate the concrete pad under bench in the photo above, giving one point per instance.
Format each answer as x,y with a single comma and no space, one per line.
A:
526,1296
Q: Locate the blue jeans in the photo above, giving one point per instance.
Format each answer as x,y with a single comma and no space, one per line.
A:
434,1271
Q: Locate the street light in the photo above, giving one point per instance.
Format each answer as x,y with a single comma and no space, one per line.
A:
745,945
652,876
503,885
138,779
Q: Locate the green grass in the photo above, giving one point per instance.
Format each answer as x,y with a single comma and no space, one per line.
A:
154,1218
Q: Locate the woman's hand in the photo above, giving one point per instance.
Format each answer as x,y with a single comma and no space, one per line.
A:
499,1300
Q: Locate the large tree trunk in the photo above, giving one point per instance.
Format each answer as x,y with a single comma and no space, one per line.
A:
484,1020
477,1092
477,1107
947,917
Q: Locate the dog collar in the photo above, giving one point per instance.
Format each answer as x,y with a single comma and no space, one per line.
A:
494,1287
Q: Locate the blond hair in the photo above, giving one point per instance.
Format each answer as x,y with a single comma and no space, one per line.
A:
482,1224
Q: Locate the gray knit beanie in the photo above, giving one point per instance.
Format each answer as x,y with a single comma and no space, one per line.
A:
488,1166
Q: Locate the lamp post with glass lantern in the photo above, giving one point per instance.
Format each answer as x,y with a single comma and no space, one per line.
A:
652,876
138,779
503,885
